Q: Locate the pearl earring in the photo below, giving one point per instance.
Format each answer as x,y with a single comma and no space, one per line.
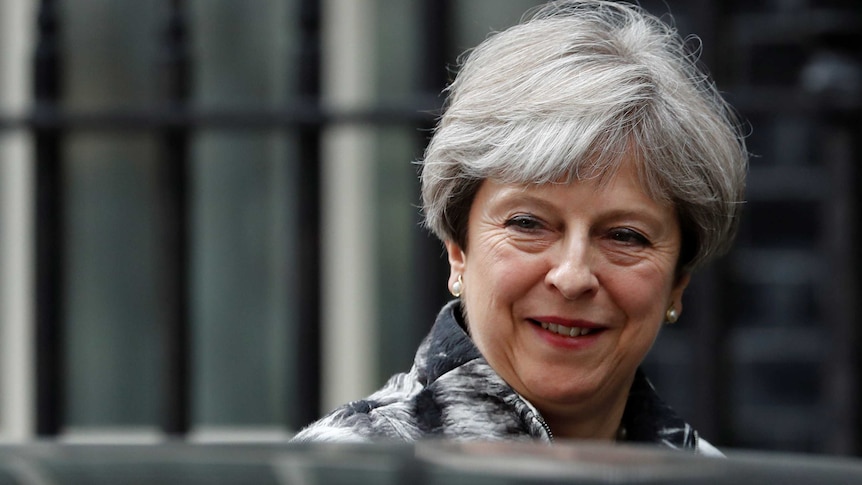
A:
457,287
671,315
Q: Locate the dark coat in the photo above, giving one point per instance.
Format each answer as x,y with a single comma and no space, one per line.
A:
453,393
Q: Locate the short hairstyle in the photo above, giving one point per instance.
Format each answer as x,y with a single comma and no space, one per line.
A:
569,93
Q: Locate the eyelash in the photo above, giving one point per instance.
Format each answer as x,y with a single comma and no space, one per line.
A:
629,236
523,222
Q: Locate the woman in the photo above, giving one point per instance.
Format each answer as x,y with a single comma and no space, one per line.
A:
582,170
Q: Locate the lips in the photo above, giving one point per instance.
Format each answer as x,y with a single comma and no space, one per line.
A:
567,331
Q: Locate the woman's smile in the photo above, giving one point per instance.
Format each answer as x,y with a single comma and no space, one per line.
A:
573,329
579,337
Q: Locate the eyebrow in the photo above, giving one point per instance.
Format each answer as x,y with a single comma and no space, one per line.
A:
651,216
514,196
511,196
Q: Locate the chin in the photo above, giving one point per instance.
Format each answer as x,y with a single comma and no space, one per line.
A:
565,394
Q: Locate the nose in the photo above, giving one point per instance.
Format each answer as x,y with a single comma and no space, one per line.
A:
572,271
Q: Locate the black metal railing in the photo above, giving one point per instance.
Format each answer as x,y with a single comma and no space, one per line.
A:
174,121
50,221
725,352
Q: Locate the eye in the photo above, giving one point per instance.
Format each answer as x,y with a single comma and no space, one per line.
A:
524,223
629,236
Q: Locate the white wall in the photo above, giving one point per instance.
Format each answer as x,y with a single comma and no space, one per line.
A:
349,332
16,231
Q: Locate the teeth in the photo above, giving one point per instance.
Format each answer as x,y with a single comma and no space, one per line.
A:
563,330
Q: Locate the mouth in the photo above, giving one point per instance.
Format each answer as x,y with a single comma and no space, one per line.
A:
567,331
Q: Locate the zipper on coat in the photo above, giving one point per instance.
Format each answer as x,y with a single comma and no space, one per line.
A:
538,416
546,427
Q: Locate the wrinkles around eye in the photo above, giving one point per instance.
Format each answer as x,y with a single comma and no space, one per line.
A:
630,237
524,223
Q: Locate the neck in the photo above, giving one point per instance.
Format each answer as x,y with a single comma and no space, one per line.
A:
608,428
599,420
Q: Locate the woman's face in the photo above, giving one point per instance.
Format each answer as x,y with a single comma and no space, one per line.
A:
566,286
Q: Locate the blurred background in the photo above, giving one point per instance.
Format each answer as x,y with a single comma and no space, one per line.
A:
209,227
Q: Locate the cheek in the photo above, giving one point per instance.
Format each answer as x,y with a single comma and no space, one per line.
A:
507,273
497,282
641,293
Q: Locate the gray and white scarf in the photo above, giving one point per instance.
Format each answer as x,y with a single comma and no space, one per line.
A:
451,392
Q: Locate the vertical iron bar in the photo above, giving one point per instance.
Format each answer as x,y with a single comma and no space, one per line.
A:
712,392
431,270
855,357
49,228
840,372
174,171
309,202
840,289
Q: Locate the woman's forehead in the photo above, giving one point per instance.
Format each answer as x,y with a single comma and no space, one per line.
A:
601,173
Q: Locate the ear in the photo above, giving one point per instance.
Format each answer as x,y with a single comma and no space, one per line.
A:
678,289
457,261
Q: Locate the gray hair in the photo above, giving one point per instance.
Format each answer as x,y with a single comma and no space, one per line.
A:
570,93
